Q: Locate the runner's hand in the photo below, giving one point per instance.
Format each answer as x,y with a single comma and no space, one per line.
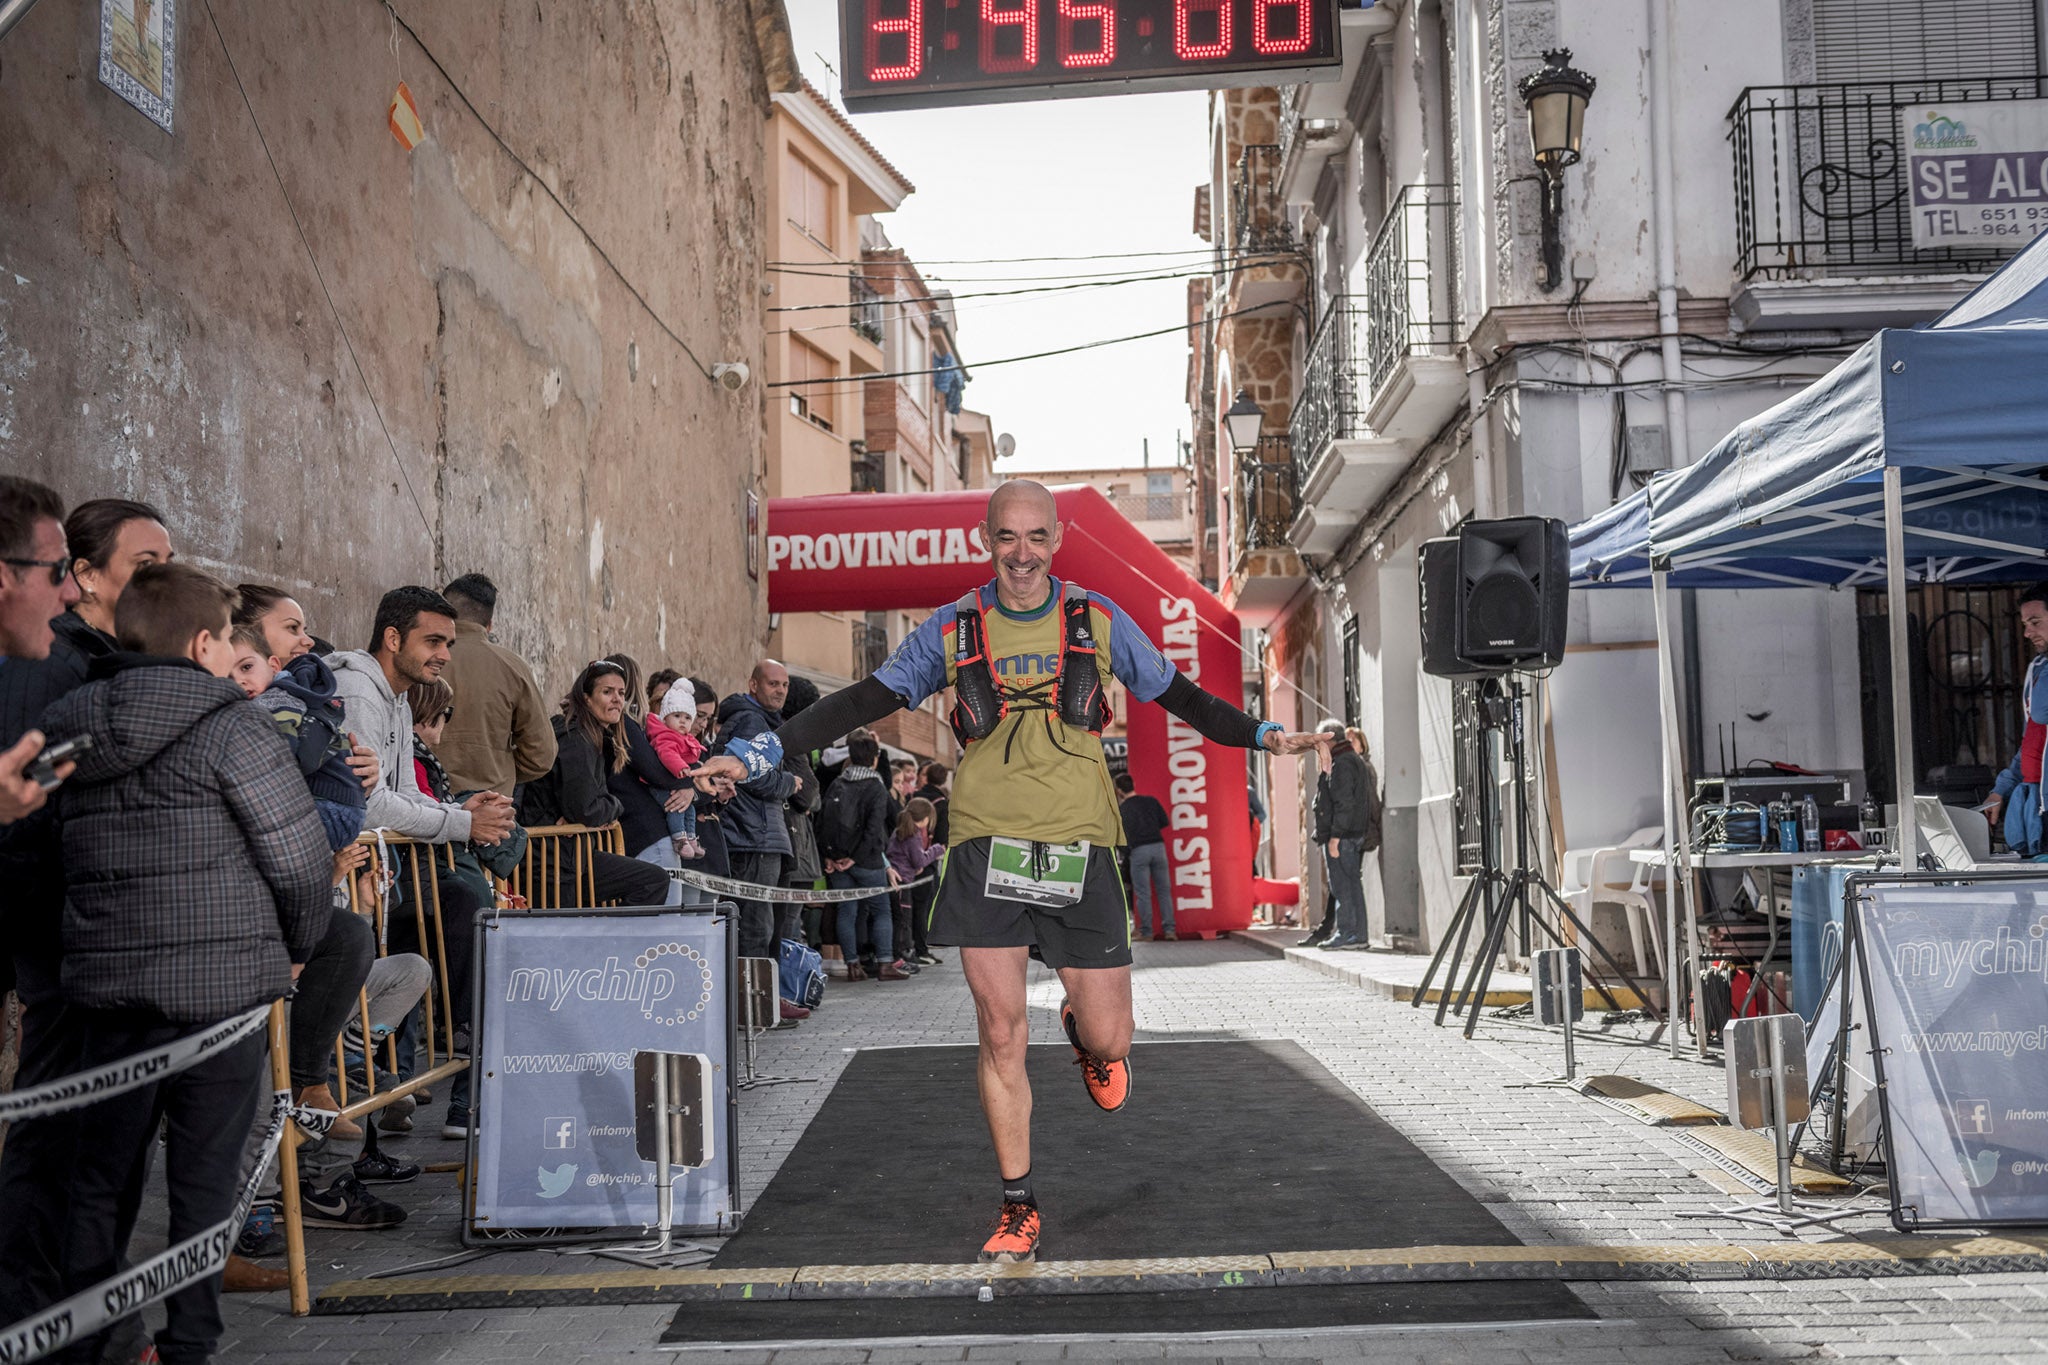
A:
719,766
1294,743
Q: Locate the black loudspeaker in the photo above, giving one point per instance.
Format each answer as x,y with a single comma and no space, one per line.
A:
1439,570
1513,579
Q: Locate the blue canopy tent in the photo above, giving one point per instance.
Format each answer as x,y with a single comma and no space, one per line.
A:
1922,457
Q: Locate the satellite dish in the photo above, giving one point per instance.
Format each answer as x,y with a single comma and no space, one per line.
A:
1006,446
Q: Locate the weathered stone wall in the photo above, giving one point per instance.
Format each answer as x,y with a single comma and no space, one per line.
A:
341,366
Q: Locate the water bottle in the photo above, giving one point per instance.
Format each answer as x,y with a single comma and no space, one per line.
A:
1785,820
1871,818
1809,824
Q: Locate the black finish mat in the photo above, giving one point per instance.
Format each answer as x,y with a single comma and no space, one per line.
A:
1199,1310
1226,1148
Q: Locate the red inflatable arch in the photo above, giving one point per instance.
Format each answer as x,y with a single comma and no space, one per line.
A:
918,551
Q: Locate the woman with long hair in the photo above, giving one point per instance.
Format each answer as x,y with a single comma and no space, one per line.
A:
593,748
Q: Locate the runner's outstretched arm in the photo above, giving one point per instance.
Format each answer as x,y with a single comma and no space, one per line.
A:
816,726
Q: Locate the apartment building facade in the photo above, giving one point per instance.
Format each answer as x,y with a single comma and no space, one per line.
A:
1430,333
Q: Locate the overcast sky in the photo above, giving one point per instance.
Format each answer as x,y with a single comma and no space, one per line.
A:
1051,178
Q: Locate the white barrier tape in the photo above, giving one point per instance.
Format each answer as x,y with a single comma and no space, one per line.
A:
385,875
314,1123
784,895
90,1087
202,1254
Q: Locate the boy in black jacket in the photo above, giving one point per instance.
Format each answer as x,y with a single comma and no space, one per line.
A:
197,876
853,841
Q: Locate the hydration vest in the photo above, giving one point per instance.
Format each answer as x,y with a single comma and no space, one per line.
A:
980,701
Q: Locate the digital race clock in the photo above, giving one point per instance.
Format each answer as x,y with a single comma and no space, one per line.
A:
900,54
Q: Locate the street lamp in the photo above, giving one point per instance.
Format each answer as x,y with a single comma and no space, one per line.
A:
1243,422
1556,98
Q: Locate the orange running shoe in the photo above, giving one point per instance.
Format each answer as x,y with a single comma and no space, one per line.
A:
1109,1083
1016,1234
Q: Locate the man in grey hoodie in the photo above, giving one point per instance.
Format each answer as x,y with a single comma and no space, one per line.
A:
409,644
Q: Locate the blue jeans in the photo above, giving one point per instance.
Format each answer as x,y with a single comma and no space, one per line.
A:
869,914
2023,831
1152,883
1345,869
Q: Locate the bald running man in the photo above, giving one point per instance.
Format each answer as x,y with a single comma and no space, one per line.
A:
1031,857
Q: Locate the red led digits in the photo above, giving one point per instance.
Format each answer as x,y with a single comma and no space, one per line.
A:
1073,12
1263,41
911,25
998,15
1184,45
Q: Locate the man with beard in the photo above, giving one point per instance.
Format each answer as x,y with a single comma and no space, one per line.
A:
1030,868
409,643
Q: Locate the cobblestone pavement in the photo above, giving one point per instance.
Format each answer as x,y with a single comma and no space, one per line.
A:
1554,1166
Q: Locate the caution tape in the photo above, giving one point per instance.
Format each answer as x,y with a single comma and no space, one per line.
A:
90,1087
784,895
198,1256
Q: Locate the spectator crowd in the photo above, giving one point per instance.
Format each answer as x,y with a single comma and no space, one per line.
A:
198,798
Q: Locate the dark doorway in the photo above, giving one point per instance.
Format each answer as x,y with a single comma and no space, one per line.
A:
1967,662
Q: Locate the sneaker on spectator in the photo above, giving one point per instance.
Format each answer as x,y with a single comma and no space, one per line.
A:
929,958
892,972
906,966
393,1123
379,1169
455,1128
261,1235
346,1204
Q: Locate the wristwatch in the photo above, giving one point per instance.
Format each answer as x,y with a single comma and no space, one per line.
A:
1266,727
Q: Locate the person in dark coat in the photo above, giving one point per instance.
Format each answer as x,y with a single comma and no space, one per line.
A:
199,874
756,834
105,541
1344,814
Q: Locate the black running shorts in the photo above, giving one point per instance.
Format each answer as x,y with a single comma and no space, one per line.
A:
1093,932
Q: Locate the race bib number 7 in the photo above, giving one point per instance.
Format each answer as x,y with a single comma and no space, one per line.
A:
1053,876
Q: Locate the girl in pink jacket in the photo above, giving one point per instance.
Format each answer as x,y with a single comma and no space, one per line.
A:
673,734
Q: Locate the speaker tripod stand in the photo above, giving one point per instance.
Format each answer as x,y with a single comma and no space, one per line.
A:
1496,899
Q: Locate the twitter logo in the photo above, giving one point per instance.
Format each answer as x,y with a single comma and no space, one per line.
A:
554,1184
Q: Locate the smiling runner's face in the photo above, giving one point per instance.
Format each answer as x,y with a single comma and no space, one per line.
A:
1023,536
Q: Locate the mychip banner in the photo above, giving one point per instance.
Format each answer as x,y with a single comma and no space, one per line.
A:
566,1001
1956,976
1977,172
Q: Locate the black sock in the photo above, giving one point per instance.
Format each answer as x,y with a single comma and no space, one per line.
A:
1018,1191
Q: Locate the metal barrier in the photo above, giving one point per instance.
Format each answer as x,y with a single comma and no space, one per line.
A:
551,851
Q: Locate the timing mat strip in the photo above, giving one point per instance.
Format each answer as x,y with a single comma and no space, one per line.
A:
1874,1258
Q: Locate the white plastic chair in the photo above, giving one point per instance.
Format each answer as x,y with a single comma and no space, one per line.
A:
1606,876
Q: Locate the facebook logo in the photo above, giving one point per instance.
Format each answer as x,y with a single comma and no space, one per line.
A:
559,1134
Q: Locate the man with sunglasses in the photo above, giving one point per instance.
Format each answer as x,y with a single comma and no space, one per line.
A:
35,587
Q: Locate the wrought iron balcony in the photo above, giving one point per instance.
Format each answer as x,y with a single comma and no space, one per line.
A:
1820,179
1258,210
866,309
1266,493
1333,393
1411,282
